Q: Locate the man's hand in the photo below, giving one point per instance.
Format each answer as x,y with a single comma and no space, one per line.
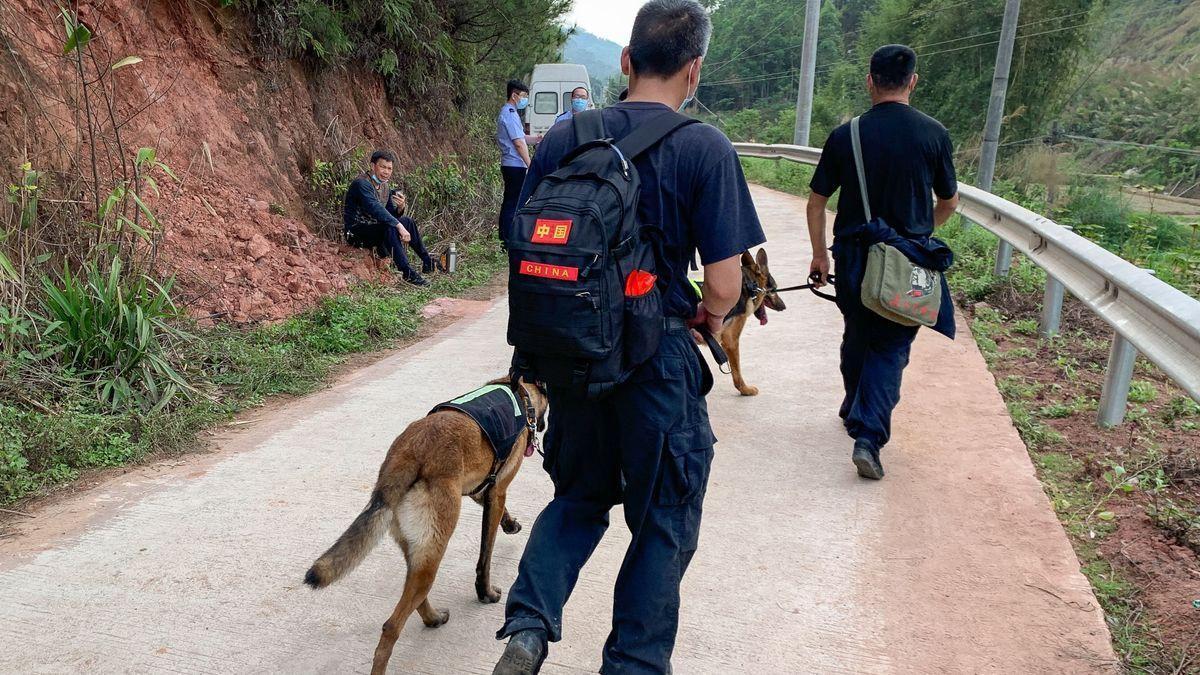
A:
820,265
715,324
398,201
404,235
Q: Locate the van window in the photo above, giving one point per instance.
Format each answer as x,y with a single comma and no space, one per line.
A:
545,103
567,100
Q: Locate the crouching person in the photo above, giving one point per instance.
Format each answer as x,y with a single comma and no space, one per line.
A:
373,218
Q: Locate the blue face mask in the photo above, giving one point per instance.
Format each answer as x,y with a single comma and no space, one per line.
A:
523,103
578,104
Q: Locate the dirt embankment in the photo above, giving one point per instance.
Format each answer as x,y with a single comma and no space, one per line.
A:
241,129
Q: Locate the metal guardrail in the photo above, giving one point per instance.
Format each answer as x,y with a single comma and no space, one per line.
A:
1147,315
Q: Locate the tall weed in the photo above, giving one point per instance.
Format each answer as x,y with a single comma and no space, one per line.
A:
112,328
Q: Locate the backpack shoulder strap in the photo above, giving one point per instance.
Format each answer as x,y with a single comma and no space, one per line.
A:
648,134
856,144
589,126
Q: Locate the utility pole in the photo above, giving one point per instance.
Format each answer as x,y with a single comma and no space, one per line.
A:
808,70
991,132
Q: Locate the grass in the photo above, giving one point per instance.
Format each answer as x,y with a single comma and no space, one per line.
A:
1091,488
46,442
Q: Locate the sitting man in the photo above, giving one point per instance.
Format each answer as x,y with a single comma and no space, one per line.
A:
373,218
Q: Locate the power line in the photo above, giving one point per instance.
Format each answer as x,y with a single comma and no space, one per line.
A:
721,64
913,17
1147,146
830,66
1110,19
714,114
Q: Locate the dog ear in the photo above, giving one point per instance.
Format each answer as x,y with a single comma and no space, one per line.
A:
747,259
762,257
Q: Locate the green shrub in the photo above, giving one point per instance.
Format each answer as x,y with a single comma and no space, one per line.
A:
112,328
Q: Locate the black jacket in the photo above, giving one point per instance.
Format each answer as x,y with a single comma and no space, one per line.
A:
850,258
363,208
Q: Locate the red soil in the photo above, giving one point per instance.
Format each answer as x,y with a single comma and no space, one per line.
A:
204,90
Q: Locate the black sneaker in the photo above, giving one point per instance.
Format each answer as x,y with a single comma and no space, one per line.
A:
524,654
866,458
414,278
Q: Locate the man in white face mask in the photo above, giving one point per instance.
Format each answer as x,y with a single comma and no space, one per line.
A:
648,444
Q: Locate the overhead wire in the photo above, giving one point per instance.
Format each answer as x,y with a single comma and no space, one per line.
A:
919,15
830,66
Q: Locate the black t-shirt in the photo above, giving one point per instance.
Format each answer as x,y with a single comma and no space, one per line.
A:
692,186
906,154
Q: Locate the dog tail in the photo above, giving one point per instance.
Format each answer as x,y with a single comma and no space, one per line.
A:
354,544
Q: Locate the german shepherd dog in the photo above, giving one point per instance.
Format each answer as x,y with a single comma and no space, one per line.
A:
429,467
758,295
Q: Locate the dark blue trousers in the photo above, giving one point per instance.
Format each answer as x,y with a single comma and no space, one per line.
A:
386,241
874,354
648,446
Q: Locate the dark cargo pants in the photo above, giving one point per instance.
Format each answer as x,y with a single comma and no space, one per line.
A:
874,354
648,446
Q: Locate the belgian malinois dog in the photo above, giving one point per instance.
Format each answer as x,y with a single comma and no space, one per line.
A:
428,469
758,295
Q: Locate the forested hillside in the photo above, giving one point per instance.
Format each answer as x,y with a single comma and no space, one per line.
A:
755,57
601,57
1142,86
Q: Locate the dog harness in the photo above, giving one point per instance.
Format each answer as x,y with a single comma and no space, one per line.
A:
498,413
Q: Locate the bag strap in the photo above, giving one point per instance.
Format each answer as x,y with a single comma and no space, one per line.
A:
649,133
856,142
589,126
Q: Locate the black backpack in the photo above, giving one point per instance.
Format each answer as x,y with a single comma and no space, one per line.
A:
584,284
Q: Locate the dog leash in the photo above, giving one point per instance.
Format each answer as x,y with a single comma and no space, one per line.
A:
813,279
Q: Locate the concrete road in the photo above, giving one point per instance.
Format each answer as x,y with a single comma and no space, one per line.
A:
954,563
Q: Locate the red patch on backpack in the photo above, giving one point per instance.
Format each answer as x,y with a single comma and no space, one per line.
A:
560,272
548,231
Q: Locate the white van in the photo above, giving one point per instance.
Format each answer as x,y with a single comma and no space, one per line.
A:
550,93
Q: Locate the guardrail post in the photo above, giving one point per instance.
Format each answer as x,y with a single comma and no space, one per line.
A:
1116,381
1117,378
1052,303
1004,255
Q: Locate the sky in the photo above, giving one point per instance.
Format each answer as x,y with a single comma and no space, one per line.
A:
611,19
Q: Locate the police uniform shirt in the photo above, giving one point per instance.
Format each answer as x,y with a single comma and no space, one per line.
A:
692,186
907,156
566,115
509,128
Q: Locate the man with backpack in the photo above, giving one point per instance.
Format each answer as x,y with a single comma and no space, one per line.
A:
601,310
907,159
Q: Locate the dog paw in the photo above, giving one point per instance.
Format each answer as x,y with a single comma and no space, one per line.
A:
748,390
489,595
443,615
511,526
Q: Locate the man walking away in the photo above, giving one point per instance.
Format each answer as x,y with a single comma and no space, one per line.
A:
579,103
648,444
368,223
514,150
907,158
